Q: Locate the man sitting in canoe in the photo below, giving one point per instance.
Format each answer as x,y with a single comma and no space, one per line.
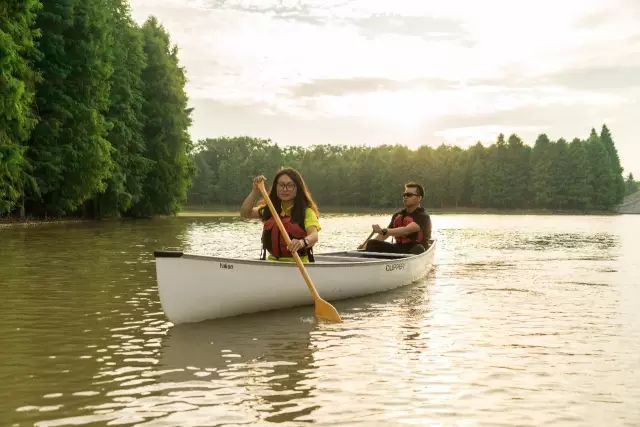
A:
410,227
298,212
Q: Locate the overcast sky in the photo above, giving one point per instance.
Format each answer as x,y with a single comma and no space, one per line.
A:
409,72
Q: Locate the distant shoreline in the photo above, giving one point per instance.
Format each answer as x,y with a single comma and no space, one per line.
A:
227,211
32,222
631,204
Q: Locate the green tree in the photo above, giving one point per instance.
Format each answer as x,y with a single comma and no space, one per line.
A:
560,177
479,189
602,177
495,173
166,120
541,171
438,177
618,189
428,167
507,174
631,186
517,160
17,80
458,176
388,181
500,174
68,149
359,173
579,191
124,186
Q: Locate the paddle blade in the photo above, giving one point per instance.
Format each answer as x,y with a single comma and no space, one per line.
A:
326,311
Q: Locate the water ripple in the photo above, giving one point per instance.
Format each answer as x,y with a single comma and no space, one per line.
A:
526,320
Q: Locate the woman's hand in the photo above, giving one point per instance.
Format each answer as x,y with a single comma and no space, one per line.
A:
296,245
257,180
376,228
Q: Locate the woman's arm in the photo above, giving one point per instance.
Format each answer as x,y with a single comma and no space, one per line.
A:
248,208
311,237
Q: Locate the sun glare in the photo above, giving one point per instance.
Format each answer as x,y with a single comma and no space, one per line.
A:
406,110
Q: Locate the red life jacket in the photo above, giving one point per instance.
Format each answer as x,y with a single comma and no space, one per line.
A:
402,220
273,242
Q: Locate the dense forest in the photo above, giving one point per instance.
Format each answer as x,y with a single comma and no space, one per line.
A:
584,174
94,123
93,112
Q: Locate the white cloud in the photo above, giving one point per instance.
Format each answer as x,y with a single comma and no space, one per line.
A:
439,59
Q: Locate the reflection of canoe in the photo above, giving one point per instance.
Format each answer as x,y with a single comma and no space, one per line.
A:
262,365
254,337
194,287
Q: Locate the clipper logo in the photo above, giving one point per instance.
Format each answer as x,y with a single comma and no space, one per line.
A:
226,266
397,266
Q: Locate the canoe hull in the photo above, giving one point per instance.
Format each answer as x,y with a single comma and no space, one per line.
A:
193,288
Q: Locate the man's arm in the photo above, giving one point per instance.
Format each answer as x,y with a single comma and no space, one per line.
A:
411,228
383,233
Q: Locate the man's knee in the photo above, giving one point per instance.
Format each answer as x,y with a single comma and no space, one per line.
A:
378,246
417,249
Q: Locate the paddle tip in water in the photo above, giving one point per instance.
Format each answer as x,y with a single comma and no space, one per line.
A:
326,311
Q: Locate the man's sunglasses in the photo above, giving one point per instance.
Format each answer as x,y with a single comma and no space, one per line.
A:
409,194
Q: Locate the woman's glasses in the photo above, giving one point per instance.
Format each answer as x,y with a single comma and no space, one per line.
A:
409,194
289,186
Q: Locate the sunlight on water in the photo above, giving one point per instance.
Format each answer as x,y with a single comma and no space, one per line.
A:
525,320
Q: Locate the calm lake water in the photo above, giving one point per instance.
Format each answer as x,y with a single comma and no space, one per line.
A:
525,320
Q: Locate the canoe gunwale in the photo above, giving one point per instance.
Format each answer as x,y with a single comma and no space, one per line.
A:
376,258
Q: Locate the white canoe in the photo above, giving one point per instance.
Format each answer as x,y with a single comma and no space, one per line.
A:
195,287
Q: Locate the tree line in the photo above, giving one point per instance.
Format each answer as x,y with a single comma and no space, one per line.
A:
93,112
94,119
583,174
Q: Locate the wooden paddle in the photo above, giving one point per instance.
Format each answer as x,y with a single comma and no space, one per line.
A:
323,310
362,246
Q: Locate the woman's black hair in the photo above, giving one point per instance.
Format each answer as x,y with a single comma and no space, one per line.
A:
302,201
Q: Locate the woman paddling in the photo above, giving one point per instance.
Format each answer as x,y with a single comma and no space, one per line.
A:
298,212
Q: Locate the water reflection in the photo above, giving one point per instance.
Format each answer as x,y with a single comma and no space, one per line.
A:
271,353
78,298
525,321
566,241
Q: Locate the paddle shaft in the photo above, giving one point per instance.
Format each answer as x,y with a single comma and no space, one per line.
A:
287,239
365,242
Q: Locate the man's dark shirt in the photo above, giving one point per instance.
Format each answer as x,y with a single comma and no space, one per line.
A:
421,218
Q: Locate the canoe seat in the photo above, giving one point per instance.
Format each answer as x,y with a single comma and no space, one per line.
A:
337,258
379,255
358,256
